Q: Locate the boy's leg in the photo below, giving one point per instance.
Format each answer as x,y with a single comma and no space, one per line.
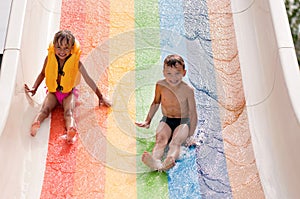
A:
179,136
69,106
49,103
163,133
152,163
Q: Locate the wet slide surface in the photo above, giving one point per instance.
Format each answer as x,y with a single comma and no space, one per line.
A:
124,44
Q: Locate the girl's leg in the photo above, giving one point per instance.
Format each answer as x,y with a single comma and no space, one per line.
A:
48,105
69,106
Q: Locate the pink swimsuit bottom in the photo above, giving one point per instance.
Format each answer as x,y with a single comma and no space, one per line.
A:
61,96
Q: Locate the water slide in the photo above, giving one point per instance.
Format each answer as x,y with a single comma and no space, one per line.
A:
240,61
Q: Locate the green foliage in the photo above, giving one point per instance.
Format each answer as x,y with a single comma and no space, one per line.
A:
293,12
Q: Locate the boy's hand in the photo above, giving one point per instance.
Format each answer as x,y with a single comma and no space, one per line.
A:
143,124
28,90
190,141
105,102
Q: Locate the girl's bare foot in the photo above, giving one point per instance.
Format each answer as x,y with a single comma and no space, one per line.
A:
34,128
168,163
71,135
151,162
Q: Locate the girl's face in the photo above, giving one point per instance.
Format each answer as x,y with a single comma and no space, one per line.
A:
62,49
174,74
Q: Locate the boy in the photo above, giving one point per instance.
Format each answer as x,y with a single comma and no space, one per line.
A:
179,114
60,70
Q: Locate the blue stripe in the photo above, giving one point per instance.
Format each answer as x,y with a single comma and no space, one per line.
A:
184,29
183,178
211,160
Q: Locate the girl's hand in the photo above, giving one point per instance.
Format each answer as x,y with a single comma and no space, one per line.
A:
105,102
28,90
143,124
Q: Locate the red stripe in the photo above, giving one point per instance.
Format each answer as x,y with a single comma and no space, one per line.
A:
71,170
61,158
61,161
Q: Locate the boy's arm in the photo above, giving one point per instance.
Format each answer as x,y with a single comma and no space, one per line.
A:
90,82
192,113
153,108
38,80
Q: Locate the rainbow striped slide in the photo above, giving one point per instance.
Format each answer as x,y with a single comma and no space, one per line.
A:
124,43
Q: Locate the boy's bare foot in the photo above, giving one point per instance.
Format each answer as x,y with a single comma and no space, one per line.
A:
168,163
34,128
71,135
151,162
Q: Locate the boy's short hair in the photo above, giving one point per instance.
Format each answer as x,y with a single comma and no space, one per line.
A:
171,61
64,34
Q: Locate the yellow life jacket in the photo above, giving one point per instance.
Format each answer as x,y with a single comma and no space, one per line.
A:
71,75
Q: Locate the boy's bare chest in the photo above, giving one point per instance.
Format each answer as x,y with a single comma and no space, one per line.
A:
172,97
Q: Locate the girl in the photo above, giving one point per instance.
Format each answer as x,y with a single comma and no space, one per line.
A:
61,69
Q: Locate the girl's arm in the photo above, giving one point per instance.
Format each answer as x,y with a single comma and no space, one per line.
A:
90,82
38,80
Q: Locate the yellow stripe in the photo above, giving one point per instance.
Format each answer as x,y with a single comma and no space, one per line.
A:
120,181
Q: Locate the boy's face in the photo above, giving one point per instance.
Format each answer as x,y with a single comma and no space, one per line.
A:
62,49
174,74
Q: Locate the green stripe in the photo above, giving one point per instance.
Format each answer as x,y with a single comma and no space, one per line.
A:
148,71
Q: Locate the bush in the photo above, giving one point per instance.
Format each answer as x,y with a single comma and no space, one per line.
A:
293,12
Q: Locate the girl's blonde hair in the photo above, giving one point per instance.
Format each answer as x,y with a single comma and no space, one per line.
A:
64,35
